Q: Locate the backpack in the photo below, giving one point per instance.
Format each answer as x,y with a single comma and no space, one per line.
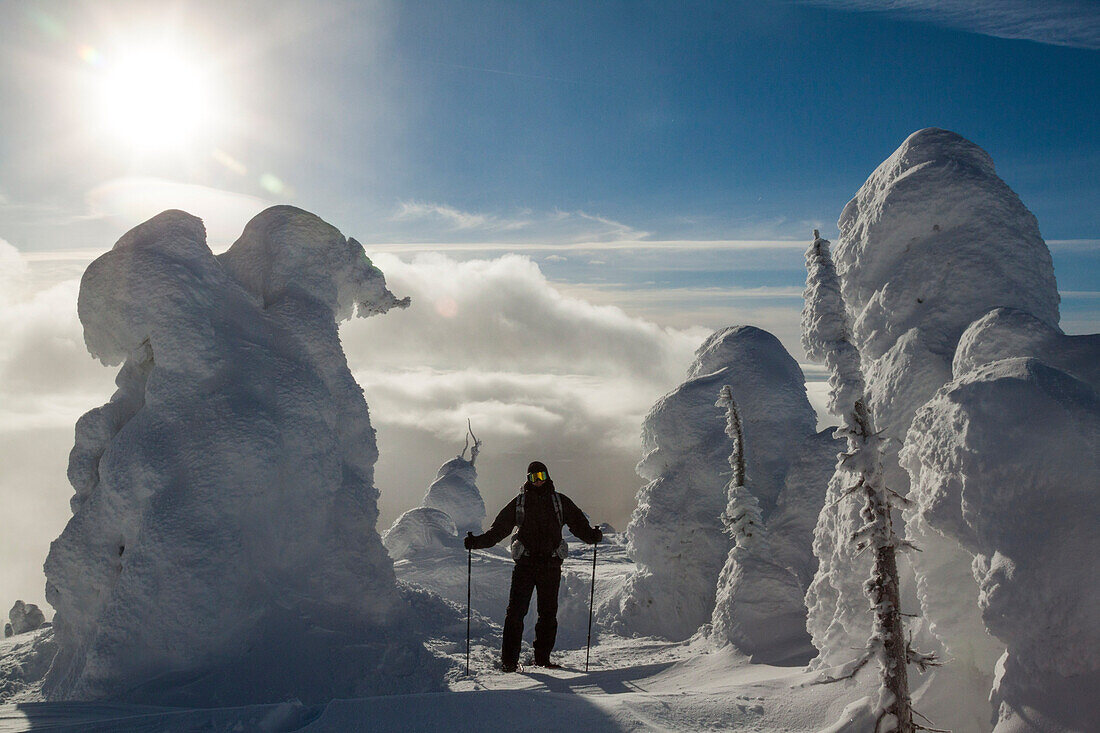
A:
517,548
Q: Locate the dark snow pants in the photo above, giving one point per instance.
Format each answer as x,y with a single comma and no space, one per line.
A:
545,578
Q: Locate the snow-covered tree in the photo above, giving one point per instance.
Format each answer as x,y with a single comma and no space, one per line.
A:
826,337
742,515
224,498
455,491
755,595
675,535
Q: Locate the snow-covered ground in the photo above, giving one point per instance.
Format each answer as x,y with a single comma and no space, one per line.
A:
632,683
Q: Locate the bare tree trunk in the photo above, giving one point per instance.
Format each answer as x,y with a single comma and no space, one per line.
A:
895,676
883,590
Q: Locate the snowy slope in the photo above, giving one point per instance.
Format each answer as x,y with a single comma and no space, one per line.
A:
633,684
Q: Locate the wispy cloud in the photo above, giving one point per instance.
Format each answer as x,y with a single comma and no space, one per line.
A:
533,248
1079,246
422,222
454,218
1058,22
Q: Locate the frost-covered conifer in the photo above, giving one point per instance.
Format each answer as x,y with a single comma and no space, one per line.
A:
675,535
742,515
825,336
455,491
758,602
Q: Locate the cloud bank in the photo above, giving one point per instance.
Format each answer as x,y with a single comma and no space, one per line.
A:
540,375
47,380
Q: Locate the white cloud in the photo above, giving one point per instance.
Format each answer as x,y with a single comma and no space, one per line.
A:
539,373
1077,246
453,218
1059,22
47,380
133,200
503,315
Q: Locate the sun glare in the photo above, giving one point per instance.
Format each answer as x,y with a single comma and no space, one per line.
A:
155,100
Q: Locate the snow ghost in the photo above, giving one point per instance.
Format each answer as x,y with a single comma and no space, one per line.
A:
1004,462
25,617
225,499
451,507
455,492
933,241
676,535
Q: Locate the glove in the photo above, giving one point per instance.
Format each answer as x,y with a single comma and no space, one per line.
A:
599,535
468,541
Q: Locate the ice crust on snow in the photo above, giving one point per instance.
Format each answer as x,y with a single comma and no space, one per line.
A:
1005,333
224,498
930,219
1004,462
675,534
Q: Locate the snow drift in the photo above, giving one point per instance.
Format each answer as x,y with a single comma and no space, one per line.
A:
223,533
676,535
1004,461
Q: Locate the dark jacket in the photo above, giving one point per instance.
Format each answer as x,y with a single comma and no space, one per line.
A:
540,533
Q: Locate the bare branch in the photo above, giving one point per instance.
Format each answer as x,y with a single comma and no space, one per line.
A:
851,675
925,727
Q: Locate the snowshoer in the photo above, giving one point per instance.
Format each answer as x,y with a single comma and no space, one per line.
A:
538,549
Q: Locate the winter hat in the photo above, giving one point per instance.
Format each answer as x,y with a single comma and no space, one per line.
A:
537,466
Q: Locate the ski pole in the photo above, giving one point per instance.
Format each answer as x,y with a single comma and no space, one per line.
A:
469,572
591,601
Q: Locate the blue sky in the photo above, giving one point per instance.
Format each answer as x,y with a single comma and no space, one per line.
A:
693,120
659,164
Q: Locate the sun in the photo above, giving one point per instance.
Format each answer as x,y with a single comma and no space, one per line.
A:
155,100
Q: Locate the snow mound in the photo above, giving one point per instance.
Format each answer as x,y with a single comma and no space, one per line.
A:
1004,462
455,492
419,530
1004,333
675,535
932,217
25,617
224,507
791,526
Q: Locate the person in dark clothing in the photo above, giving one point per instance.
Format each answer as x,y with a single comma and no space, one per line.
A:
538,548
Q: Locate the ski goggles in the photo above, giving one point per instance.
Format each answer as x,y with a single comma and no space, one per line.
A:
538,476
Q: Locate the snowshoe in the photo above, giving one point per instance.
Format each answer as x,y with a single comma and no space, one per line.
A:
545,663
